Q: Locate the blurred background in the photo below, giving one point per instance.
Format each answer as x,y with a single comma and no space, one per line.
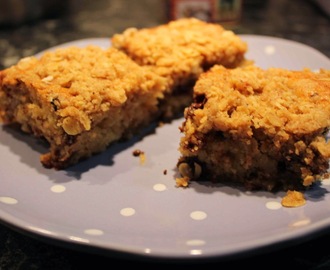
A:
28,26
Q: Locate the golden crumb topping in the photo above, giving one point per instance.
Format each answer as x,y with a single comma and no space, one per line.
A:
182,46
278,101
82,83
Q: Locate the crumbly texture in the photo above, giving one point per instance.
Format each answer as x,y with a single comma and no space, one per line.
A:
80,100
180,51
262,129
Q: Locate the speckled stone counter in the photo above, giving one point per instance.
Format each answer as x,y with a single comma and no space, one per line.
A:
301,21
298,20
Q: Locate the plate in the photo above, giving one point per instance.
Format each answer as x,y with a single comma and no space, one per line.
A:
114,203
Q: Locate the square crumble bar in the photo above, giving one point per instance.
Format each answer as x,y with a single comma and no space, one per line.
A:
80,100
261,129
180,51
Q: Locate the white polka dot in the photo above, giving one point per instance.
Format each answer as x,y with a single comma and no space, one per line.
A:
273,205
196,252
301,223
195,242
147,250
198,215
326,182
8,200
270,50
127,212
159,187
93,232
58,188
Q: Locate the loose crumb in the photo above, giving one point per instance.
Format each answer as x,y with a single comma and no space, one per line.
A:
142,158
293,199
141,154
182,181
137,152
165,172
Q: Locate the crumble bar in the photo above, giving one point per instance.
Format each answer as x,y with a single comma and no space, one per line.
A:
80,100
180,51
261,129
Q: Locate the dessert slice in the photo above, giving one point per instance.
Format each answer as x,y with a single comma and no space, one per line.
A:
261,129
80,100
180,51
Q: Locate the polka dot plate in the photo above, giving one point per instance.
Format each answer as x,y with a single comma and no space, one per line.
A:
114,203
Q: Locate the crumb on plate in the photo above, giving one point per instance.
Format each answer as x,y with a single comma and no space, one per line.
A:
293,198
141,154
182,181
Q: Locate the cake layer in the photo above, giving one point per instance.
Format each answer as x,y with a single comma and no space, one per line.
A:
80,100
263,129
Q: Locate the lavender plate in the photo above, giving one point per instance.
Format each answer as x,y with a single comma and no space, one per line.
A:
114,204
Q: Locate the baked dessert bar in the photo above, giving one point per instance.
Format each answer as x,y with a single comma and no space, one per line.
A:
80,100
260,129
180,51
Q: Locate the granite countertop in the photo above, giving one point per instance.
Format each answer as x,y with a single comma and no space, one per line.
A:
303,22
298,20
